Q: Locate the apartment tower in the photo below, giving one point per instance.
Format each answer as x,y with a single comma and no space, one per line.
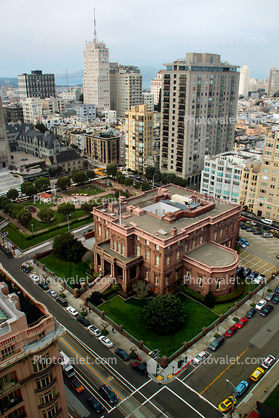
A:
199,101
273,82
244,80
138,136
155,87
36,84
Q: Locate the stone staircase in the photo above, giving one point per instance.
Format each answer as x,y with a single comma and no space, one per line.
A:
99,285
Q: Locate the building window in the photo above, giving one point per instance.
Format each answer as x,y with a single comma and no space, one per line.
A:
138,250
146,274
199,282
194,243
138,238
186,247
47,397
99,230
156,247
201,239
44,381
218,284
118,247
147,255
41,364
168,260
178,255
122,249
51,412
215,235
7,352
177,275
114,245
146,242
156,260
167,280
156,281
106,233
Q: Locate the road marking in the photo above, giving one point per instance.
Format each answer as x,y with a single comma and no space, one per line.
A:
199,395
224,371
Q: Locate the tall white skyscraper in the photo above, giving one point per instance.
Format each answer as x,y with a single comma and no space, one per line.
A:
96,74
244,80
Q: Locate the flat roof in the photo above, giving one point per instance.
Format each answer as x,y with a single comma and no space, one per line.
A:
212,255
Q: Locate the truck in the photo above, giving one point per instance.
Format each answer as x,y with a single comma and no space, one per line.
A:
66,365
140,368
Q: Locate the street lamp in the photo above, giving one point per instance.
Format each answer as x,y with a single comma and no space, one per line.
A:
233,399
68,221
32,228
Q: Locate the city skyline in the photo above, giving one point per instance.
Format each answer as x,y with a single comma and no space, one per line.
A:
149,35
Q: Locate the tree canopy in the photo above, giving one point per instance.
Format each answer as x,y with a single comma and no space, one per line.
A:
41,127
24,217
111,170
145,186
63,183
164,314
12,194
66,208
25,185
42,183
67,247
46,214
90,174
79,176
128,181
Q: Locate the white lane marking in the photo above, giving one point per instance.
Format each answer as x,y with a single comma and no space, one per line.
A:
200,396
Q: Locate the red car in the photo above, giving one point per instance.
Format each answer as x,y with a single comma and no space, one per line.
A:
232,330
243,219
241,322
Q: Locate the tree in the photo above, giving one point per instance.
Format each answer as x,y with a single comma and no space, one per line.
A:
12,209
12,194
111,170
90,174
42,183
46,214
157,175
141,288
118,192
4,202
41,127
67,247
145,186
164,314
137,185
66,208
24,217
63,182
25,185
95,298
87,206
120,178
128,181
149,171
209,300
31,190
79,176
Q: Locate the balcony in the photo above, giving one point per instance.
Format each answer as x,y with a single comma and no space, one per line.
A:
5,406
46,387
48,404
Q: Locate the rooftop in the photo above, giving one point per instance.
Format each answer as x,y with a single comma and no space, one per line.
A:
213,255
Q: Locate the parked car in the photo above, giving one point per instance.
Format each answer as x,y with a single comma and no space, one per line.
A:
95,404
247,272
139,368
245,241
258,279
257,374
240,388
261,304
94,330
44,286
251,229
83,321
35,278
243,226
227,404
276,290
77,385
268,362
239,271
122,354
240,324
251,313
243,219
266,310
242,245
200,357
253,275
275,299
232,330
72,311
107,393
269,296
217,343
257,232
52,293
267,235
106,341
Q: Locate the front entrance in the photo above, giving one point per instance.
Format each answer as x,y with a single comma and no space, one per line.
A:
259,213
107,267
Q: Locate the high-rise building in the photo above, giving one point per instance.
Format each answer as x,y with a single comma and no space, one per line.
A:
253,84
199,102
148,99
31,378
138,136
125,87
5,156
32,110
155,87
273,81
244,80
36,84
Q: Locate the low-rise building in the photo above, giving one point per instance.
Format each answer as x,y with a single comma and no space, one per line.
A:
168,236
13,113
103,147
32,110
69,160
53,105
86,111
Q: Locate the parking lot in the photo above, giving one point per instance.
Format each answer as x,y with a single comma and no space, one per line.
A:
260,255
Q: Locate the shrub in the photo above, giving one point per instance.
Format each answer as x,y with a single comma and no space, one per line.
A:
235,318
95,298
62,295
105,331
83,313
209,300
253,305
216,335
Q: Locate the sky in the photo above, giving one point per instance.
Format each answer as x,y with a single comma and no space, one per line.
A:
50,35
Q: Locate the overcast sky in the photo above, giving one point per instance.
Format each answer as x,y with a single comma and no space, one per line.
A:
50,35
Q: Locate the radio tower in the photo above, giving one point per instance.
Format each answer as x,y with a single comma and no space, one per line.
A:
95,30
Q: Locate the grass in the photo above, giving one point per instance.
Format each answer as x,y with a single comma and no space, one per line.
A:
69,271
128,314
59,218
20,240
273,400
90,190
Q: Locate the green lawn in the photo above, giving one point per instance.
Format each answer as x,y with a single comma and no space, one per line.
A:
58,219
69,271
128,314
90,190
273,400
20,240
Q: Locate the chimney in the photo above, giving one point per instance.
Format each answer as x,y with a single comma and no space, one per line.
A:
174,232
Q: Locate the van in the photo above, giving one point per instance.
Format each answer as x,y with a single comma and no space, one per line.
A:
217,343
267,221
62,302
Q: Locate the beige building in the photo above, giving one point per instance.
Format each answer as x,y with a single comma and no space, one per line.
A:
199,103
31,379
273,82
125,87
32,110
249,186
148,99
96,75
53,105
103,147
155,87
268,198
244,80
138,137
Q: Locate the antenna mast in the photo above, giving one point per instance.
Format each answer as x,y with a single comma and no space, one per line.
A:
95,30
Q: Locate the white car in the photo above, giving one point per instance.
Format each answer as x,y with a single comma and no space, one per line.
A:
52,293
106,341
35,278
200,357
268,362
94,330
72,311
261,304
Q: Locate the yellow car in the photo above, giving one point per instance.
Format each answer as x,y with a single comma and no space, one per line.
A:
257,374
227,404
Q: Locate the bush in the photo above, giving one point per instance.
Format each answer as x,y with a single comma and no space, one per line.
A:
216,335
133,355
209,300
105,331
235,318
83,314
253,305
109,293
62,295
95,298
